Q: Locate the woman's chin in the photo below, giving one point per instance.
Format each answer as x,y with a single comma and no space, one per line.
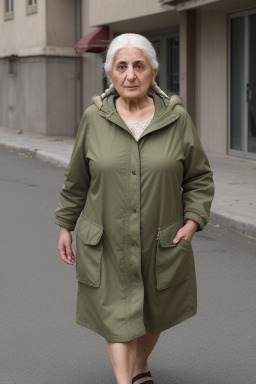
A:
132,93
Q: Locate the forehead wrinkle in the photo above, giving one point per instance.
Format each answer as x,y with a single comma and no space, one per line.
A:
136,61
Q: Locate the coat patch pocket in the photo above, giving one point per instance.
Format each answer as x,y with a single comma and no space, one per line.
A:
172,260
89,251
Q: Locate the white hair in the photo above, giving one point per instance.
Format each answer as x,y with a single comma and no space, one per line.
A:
136,41
130,40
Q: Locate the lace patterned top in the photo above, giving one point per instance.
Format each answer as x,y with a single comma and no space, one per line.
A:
138,127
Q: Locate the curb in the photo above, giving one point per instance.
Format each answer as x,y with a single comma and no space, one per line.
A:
39,154
234,224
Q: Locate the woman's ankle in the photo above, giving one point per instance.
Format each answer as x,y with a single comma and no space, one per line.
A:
140,368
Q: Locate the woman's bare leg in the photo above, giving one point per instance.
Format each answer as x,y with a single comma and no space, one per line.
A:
130,358
122,357
145,345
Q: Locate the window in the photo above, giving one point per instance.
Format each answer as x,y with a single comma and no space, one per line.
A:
167,50
31,6
12,65
172,80
8,10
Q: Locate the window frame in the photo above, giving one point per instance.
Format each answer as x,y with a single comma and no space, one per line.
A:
12,66
8,10
163,37
31,8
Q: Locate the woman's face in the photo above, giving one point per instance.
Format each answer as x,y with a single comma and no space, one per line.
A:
131,73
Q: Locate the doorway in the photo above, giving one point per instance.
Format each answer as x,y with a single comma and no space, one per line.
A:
242,84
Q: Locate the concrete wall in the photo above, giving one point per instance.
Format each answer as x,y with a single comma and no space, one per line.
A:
61,23
212,80
50,31
41,97
92,77
23,95
23,33
4,94
85,18
92,63
109,11
61,96
31,84
188,61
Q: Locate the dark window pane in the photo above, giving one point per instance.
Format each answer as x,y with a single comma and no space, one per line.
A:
156,45
172,46
237,83
252,88
12,66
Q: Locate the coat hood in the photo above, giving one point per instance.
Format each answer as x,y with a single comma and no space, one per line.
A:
172,101
165,111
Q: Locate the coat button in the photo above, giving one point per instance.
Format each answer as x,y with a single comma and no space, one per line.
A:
134,210
134,172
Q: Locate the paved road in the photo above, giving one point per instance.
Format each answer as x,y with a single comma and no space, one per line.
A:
39,340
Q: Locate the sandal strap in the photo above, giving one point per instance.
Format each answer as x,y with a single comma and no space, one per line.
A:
141,375
148,382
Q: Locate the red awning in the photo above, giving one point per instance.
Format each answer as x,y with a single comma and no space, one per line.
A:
96,41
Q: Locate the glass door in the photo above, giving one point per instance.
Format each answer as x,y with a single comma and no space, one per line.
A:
242,84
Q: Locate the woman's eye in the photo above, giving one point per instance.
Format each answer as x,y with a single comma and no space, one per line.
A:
139,66
121,67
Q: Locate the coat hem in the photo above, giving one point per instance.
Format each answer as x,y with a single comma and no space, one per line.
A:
171,324
115,339
119,339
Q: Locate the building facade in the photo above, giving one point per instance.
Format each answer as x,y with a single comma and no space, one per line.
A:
207,52
206,48
38,65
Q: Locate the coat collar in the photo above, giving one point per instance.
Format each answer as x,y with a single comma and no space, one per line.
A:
164,115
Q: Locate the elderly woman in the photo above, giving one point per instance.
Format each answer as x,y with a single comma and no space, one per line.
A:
141,177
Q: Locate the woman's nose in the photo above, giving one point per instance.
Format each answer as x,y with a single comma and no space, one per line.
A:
131,74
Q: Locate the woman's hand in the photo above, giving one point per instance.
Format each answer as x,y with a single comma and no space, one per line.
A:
64,246
186,232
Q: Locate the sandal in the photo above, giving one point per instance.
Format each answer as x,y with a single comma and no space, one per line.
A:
141,375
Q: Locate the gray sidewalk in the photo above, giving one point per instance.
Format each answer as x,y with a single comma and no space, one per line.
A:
234,205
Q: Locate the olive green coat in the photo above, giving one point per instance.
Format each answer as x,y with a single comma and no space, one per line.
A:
135,196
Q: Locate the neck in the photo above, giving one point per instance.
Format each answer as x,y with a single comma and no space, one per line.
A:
133,105
135,110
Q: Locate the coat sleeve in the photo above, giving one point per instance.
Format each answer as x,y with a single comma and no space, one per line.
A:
76,182
198,185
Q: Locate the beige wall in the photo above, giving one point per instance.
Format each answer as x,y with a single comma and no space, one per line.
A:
109,11
92,79
49,85
61,23
85,17
212,80
192,4
61,96
188,61
41,97
24,32
51,31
